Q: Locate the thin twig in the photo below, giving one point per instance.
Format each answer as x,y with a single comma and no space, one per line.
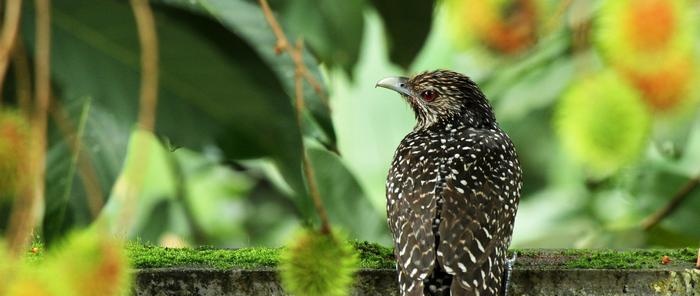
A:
283,46
308,169
682,194
697,263
300,74
23,215
8,36
282,42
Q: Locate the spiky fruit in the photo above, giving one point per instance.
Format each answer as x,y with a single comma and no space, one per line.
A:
666,86
92,264
651,43
504,26
14,149
315,264
603,122
31,282
21,278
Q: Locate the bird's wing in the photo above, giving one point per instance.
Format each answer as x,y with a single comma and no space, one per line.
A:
480,198
410,209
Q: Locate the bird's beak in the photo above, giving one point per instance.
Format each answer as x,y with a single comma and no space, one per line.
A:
398,84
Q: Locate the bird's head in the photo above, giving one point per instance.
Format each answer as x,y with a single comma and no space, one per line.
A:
443,96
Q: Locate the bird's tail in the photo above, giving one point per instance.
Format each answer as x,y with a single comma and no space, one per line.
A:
438,283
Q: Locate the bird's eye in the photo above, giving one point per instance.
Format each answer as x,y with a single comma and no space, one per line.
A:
428,95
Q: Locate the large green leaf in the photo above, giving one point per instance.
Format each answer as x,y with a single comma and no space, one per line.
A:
407,23
333,29
214,89
247,21
347,204
370,121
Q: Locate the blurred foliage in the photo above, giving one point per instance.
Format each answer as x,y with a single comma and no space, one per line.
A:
599,155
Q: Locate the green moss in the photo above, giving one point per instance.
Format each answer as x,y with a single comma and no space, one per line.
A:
607,259
375,256
147,256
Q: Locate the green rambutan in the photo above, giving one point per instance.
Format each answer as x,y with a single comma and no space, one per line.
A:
28,281
503,26
316,264
602,122
651,43
92,264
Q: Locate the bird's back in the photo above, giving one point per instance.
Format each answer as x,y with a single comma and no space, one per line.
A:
452,193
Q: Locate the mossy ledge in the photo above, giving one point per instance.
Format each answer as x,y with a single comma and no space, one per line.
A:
251,271
374,256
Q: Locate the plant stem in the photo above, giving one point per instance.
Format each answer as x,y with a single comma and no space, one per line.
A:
308,169
283,46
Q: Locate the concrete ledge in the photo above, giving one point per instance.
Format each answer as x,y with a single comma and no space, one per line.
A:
382,282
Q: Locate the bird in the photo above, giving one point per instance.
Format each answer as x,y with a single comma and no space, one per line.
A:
452,190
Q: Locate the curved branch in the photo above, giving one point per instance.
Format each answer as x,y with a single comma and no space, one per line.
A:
148,100
682,194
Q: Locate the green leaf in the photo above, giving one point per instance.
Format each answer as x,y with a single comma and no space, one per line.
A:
407,23
333,29
347,204
371,121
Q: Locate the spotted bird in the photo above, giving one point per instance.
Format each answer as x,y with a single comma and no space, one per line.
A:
452,190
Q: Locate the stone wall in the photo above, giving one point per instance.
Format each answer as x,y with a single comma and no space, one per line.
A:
381,282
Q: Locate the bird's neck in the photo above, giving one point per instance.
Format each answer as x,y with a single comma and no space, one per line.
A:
476,118
482,118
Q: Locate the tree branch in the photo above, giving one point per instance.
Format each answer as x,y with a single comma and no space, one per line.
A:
681,195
